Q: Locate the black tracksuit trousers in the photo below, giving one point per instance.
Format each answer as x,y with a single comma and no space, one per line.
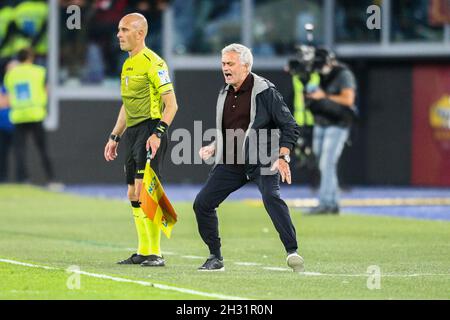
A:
222,181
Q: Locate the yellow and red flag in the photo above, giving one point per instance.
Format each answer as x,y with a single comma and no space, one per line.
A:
155,203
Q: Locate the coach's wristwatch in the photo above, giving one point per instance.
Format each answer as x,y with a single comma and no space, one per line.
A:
114,137
285,157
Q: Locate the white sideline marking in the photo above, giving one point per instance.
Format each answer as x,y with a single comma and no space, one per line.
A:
361,274
276,269
247,263
27,264
416,275
316,274
193,257
142,283
169,253
313,274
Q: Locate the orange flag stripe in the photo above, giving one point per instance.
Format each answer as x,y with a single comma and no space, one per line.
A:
155,203
148,205
167,208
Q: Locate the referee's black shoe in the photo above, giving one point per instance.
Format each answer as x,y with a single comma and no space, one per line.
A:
153,261
134,259
212,264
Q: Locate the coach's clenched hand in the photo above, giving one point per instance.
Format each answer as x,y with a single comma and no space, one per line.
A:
207,152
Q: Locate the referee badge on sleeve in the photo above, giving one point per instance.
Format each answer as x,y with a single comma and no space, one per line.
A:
163,77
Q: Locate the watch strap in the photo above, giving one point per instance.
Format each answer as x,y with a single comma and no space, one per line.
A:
114,137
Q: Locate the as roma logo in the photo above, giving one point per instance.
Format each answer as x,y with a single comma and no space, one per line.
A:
440,121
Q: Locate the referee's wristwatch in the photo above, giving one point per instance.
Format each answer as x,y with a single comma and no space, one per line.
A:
114,137
159,134
285,157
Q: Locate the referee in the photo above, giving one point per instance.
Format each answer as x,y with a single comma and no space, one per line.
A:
149,106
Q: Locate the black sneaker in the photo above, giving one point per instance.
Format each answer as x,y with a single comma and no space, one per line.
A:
134,259
153,261
212,264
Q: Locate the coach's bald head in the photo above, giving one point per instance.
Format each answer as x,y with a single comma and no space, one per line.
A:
133,29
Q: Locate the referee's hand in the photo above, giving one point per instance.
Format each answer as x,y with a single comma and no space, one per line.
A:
153,143
110,152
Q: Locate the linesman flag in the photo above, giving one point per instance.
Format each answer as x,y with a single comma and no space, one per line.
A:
154,201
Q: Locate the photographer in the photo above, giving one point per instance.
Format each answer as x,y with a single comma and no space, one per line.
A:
333,108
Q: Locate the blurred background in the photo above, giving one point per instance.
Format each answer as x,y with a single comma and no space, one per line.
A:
402,137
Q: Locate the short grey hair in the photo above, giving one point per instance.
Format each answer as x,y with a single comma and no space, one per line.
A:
245,54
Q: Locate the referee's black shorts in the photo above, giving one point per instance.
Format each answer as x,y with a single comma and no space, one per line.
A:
135,139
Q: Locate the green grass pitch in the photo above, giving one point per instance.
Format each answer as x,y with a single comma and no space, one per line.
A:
60,230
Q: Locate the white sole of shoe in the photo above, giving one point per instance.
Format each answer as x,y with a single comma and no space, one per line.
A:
296,263
215,270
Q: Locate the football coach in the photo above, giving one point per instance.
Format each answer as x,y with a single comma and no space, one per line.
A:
248,106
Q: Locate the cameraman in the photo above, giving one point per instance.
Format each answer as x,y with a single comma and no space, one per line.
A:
305,120
304,80
332,105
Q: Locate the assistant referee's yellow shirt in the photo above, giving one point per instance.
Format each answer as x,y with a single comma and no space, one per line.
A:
144,78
